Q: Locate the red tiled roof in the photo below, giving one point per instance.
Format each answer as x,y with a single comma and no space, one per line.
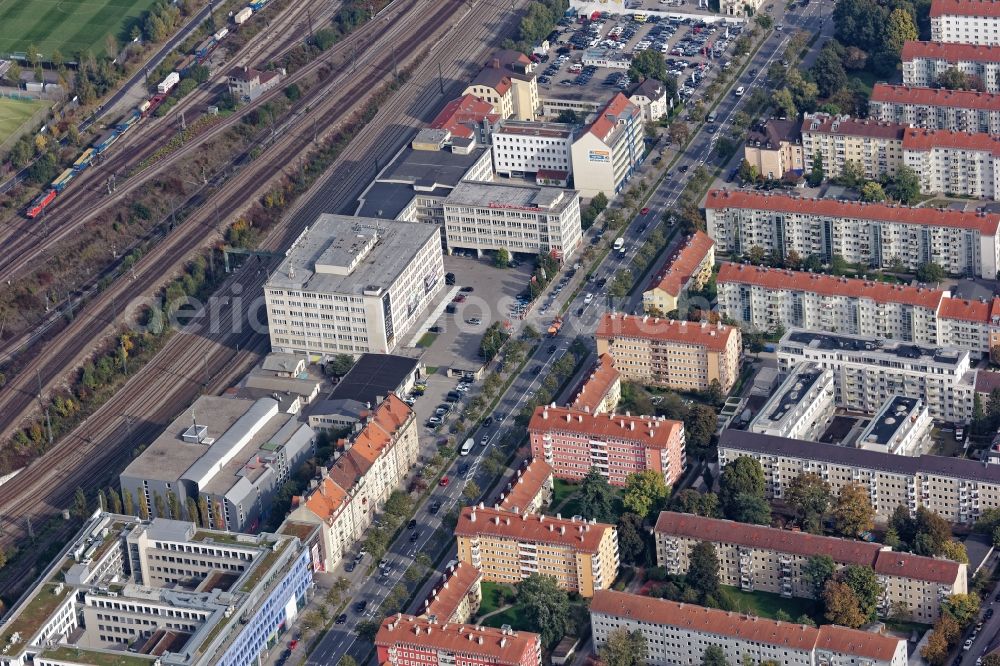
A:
844,551
713,337
597,385
829,285
982,222
951,52
492,645
987,380
970,310
582,536
458,115
986,8
608,118
525,485
921,139
916,567
370,443
326,500
745,627
825,123
685,262
966,99
446,598
650,431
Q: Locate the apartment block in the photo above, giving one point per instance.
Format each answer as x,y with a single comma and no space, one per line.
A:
801,407
760,558
404,640
966,21
608,151
954,163
650,96
159,593
375,461
902,427
679,633
530,489
457,596
689,268
508,547
876,147
874,234
522,148
970,324
869,371
601,390
229,454
774,148
936,108
678,354
509,83
765,299
574,441
925,62
514,217
956,488
352,285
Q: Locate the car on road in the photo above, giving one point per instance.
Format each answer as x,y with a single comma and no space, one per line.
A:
989,613
475,321
588,299
341,619
968,644
644,211
710,129
349,567
412,524
360,606
434,420
537,370
683,168
459,299
462,469
467,290
485,439
488,421
444,481
552,349
579,311
435,507
414,536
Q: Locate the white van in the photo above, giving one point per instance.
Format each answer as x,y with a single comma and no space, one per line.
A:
619,244
467,447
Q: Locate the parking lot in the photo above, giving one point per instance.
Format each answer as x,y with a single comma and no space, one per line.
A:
588,61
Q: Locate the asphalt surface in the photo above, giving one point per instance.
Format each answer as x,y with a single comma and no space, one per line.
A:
986,639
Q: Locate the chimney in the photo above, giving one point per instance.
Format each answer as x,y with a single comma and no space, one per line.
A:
472,516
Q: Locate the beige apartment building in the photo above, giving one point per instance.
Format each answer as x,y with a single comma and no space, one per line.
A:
602,389
690,268
775,148
509,83
761,558
457,597
679,354
958,489
874,234
877,147
678,633
936,108
508,547
954,163
925,62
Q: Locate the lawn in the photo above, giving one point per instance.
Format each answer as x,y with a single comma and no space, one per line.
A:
68,25
16,112
766,604
427,339
492,600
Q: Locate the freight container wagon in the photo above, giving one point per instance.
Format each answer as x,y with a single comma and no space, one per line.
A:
219,36
241,16
143,108
169,82
106,141
154,102
39,204
83,161
257,5
131,119
60,183
205,48
185,64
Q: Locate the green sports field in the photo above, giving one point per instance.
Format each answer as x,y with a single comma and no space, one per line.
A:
14,113
68,25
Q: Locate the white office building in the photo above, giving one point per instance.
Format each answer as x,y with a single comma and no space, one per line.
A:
874,234
523,148
925,62
954,163
966,21
801,407
607,153
515,217
679,633
353,285
867,372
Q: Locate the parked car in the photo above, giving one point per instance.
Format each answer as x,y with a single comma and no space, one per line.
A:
488,421
412,524
434,507
360,606
467,290
444,481
644,211
342,618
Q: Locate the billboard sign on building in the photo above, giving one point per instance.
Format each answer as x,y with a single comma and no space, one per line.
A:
599,156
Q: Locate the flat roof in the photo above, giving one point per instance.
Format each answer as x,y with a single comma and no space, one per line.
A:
386,201
858,344
890,419
791,392
373,376
428,169
511,195
351,255
533,128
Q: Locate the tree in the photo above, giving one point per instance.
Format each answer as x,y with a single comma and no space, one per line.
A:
817,571
471,491
828,70
649,64
714,656
115,500
953,79
13,75
741,478
935,650
785,103
502,259
841,605
764,21
864,583
809,496
631,546
872,191
347,660
339,365
816,175
678,132
931,533
81,508
963,608
128,505
568,116
703,570
493,339
904,186
596,497
690,500
955,551
624,648
546,606
367,630
930,272
748,173
991,659
899,30
645,492
192,510
853,512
